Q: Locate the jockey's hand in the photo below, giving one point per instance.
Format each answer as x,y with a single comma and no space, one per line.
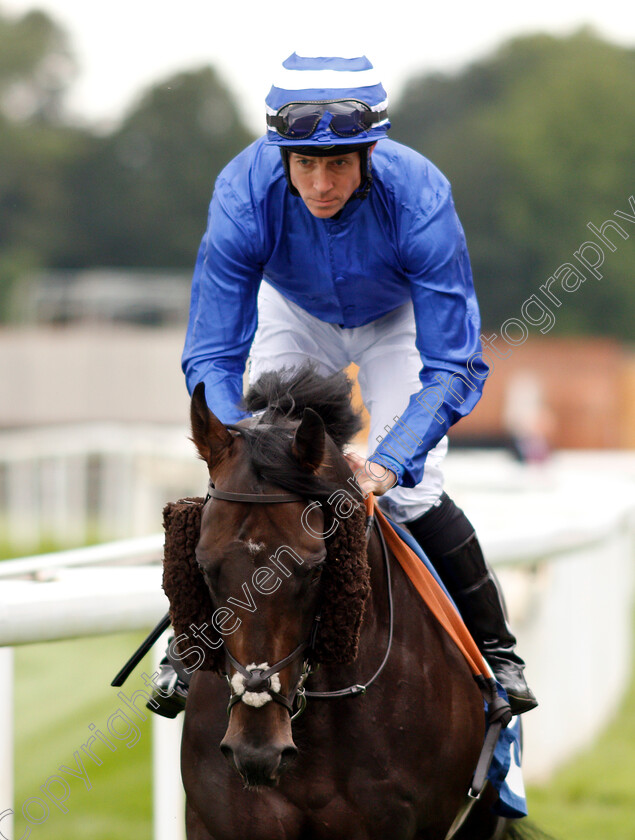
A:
371,477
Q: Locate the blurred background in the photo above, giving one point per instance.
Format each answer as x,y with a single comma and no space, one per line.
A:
114,123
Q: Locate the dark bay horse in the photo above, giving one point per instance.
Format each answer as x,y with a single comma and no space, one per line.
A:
395,762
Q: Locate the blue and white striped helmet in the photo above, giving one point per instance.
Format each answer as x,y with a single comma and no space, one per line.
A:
298,111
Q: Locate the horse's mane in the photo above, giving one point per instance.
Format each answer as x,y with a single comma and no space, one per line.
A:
282,396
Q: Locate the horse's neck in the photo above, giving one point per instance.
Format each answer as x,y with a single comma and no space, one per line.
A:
391,609
401,593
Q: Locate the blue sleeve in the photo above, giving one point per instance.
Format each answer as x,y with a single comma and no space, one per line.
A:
223,313
453,373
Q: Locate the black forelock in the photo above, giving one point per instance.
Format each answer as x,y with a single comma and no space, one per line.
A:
271,459
284,394
282,397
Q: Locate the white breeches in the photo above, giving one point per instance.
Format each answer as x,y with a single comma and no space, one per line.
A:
389,366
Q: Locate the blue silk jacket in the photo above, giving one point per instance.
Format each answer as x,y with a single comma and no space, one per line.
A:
404,242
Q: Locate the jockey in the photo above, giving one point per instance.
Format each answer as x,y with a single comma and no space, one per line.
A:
327,242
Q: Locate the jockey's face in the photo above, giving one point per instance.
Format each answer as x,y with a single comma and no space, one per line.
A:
325,183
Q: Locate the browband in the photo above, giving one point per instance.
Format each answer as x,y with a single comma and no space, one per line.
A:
253,498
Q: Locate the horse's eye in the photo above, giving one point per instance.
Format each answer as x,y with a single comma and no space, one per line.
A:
208,570
316,573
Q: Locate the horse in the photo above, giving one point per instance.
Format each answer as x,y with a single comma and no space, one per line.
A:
298,598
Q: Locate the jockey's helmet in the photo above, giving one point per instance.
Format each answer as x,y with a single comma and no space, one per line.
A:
327,107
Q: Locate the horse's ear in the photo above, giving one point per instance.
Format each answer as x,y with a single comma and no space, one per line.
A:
308,442
208,433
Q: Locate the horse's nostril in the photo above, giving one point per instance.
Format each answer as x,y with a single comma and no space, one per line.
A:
227,752
288,754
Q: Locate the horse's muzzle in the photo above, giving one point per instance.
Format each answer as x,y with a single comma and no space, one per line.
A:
259,766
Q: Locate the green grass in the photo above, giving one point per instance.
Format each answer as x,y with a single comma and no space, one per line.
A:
61,688
45,544
593,797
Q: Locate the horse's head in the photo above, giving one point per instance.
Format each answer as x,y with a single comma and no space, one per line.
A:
262,551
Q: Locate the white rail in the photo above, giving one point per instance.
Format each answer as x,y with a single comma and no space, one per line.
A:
139,550
62,601
81,602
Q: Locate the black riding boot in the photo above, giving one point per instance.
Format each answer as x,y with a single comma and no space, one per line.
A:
169,692
448,539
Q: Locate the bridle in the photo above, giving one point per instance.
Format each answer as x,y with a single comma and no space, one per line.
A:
259,680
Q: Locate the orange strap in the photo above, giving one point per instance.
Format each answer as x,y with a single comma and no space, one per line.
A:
433,595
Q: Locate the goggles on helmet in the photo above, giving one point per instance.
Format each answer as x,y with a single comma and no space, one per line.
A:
349,117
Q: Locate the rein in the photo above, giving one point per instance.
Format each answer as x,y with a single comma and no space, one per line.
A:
258,679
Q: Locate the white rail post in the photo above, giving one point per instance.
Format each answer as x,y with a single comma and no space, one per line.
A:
169,797
6,741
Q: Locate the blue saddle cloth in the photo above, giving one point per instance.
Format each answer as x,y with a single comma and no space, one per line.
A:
505,771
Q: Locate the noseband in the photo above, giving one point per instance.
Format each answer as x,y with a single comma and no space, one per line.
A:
258,679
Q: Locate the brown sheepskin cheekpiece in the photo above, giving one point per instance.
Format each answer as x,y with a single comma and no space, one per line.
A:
183,583
345,587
